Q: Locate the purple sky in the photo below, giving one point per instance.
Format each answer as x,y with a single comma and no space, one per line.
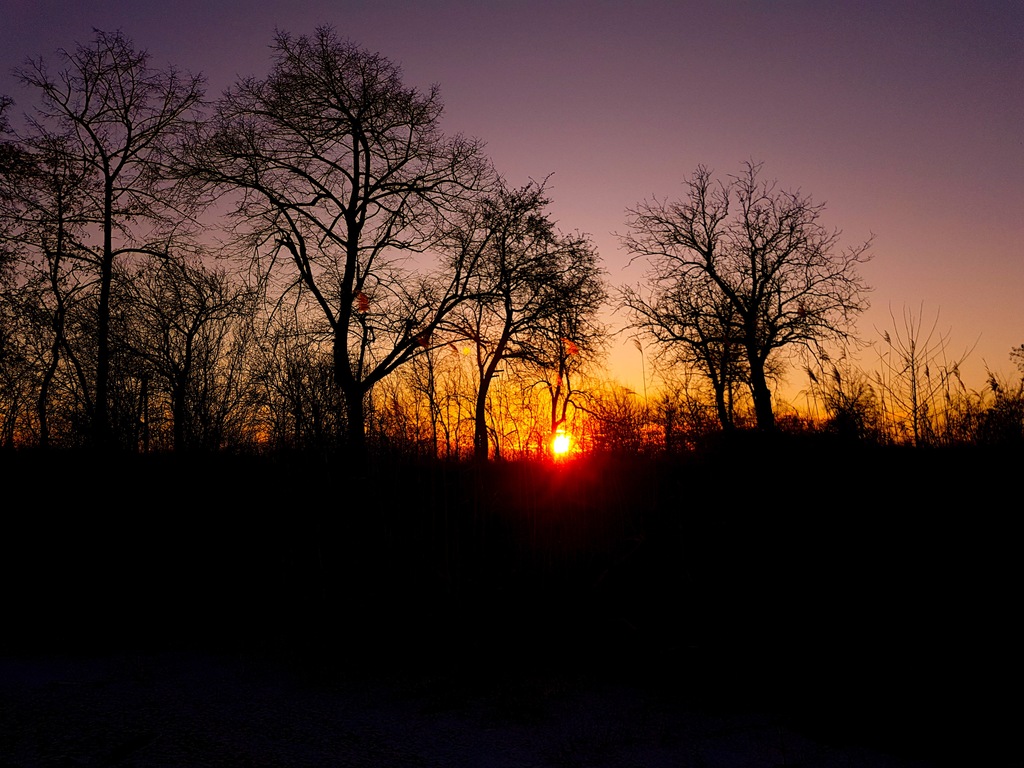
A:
905,118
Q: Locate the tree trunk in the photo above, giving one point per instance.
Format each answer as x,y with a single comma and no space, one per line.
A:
354,391
480,442
355,429
101,423
43,403
762,397
723,409
178,409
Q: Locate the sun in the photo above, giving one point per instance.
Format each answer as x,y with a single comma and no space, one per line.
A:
560,445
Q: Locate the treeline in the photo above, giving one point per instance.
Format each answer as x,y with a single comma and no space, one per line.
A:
308,262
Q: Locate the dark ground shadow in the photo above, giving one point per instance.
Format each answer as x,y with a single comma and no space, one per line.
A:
798,608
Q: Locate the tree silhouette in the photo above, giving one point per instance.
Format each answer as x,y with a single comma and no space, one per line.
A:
110,116
534,291
50,208
11,160
186,325
343,175
741,266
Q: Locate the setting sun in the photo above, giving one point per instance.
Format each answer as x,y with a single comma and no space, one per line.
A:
560,445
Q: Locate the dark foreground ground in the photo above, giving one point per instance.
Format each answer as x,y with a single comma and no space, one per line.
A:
761,606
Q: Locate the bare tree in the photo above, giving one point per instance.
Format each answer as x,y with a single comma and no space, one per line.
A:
442,382
343,176
300,406
184,321
119,120
48,214
742,266
5,124
620,418
11,162
11,358
682,410
535,289
695,327
573,337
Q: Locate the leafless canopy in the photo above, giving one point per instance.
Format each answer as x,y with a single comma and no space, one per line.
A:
739,270
535,296
342,174
101,140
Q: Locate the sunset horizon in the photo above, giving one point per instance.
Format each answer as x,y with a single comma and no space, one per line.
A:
903,127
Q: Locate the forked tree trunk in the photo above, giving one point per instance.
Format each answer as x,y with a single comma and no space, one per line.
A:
480,440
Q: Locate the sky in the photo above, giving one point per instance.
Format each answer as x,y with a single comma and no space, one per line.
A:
906,119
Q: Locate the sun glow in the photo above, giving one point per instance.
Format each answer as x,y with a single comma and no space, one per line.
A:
560,445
